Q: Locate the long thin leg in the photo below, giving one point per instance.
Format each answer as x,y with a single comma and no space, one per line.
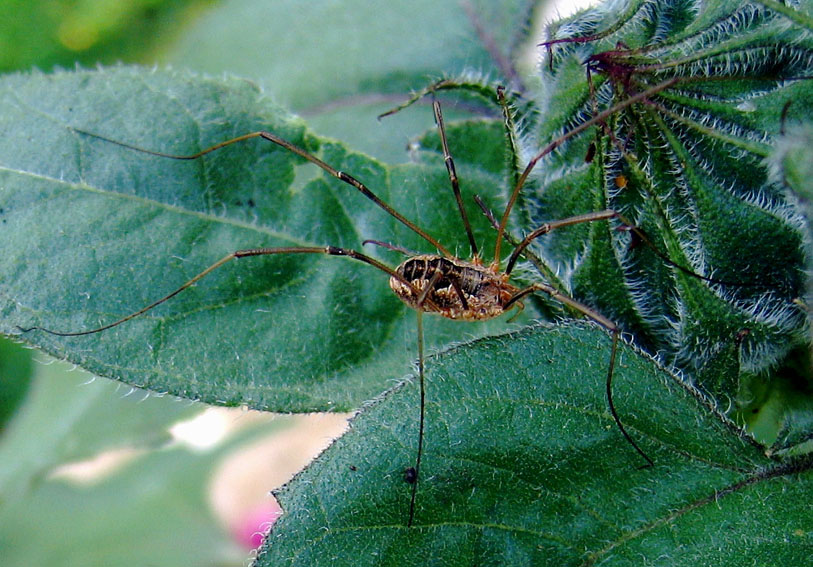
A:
607,324
447,158
390,246
510,128
537,262
609,390
514,169
553,225
607,214
340,175
578,306
559,141
415,476
331,250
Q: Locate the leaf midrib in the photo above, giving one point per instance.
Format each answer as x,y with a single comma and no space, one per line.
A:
174,209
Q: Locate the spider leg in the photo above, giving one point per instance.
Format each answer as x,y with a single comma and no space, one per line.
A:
330,250
412,474
340,175
614,332
447,158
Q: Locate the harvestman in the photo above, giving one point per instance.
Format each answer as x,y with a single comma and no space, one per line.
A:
466,290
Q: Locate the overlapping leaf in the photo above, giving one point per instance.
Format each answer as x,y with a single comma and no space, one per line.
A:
523,466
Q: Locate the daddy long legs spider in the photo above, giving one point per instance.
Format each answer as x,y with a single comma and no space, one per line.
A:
440,282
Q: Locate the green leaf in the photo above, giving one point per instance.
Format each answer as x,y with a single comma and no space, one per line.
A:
687,166
16,368
523,465
318,61
322,55
96,231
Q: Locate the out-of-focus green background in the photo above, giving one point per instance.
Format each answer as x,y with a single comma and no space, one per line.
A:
48,33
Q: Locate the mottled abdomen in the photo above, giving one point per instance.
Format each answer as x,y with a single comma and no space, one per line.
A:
462,290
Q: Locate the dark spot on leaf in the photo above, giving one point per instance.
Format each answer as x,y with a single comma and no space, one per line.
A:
410,475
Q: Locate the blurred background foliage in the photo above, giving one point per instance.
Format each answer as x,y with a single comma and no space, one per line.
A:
49,33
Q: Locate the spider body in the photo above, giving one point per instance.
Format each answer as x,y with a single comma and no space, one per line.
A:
453,288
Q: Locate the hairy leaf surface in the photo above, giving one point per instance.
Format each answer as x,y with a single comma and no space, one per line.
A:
686,165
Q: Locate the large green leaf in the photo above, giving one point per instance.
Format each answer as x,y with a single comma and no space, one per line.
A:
95,231
524,466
